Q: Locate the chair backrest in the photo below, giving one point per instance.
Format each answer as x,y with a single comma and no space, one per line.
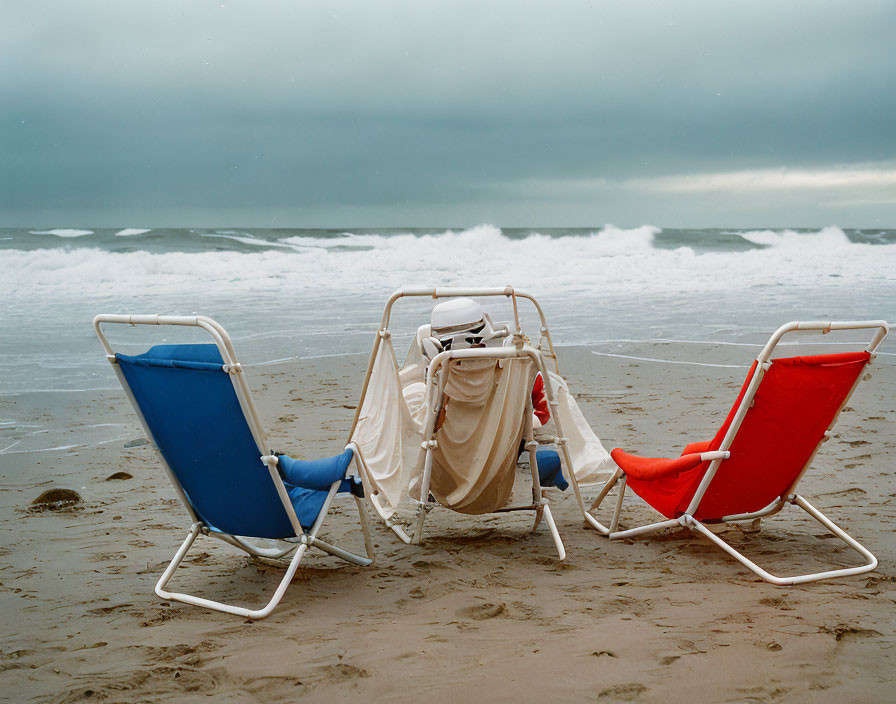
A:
795,403
474,463
189,404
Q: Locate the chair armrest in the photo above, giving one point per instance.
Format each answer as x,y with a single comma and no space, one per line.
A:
696,447
317,474
653,468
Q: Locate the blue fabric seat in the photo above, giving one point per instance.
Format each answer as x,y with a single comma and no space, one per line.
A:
192,410
550,471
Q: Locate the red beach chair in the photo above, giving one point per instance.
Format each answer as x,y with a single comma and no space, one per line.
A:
750,469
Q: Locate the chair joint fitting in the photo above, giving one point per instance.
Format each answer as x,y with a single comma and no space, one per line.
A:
385,334
271,461
112,359
234,368
429,444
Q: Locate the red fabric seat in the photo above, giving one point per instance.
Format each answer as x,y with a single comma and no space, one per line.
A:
796,401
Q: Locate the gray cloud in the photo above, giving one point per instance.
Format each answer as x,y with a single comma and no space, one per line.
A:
424,113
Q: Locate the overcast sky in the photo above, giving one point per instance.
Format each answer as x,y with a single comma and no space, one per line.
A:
350,114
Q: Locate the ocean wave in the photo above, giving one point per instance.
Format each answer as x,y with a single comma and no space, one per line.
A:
610,261
246,239
608,241
62,232
826,238
131,232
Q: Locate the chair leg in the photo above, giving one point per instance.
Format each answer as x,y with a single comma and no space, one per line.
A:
803,578
555,534
605,489
418,527
598,500
348,556
615,522
365,529
539,511
254,614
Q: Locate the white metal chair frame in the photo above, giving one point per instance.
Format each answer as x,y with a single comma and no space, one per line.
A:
716,458
434,400
303,539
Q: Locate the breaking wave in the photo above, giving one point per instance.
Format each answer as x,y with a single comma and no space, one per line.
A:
608,261
827,238
63,232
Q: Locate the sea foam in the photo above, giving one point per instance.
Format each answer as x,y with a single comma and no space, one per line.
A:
608,262
62,232
827,238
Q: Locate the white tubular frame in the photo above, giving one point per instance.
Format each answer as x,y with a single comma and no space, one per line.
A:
687,520
304,539
434,400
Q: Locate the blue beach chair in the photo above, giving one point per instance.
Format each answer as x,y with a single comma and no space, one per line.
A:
194,404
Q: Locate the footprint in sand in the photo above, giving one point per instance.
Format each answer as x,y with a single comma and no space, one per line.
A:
481,612
777,603
844,633
342,672
623,692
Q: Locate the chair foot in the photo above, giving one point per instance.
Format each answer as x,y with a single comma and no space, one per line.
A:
418,527
399,531
254,614
871,560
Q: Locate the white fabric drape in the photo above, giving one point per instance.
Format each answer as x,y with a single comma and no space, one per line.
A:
474,465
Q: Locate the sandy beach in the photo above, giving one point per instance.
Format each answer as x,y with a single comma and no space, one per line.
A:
482,611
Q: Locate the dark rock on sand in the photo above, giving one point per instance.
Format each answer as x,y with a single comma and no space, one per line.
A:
119,476
136,443
56,500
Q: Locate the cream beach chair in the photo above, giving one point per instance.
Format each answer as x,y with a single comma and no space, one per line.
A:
785,411
195,407
457,446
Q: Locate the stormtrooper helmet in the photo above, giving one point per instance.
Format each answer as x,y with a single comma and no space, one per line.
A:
461,323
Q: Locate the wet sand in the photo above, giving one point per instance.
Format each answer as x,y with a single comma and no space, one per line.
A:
482,611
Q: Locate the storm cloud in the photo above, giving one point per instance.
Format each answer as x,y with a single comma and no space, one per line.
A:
346,114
